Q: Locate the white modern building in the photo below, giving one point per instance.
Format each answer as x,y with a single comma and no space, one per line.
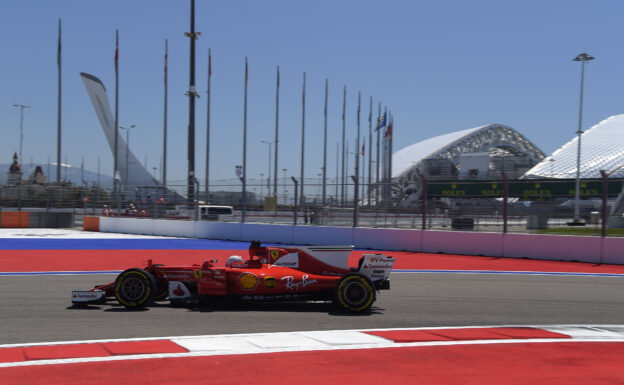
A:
602,148
482,152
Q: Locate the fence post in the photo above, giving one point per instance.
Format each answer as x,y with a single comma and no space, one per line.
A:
505,197
355,201
603,231
424,201
296,208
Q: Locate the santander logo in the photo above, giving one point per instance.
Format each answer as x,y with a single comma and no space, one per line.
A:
179,291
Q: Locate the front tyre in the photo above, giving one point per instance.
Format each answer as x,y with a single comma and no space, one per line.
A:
355,293
135,288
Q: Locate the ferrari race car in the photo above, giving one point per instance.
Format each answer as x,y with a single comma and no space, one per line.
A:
270,273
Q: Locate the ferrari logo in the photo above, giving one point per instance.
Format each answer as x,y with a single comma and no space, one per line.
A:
274,254
269,282
197,273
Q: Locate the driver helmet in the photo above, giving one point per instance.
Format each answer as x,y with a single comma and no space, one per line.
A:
233,259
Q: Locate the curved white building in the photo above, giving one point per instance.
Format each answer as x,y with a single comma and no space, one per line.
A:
476,153
602,148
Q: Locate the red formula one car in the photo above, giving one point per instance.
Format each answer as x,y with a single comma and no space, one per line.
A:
270,273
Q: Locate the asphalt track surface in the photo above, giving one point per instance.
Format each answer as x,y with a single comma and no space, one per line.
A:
37,308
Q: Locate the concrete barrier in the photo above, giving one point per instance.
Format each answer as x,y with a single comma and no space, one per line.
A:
134,226
460,242
217,230
553,247
266,233
545,247
322,235
36,219
45,219
387,239
15,219
172,228
613,251
91,223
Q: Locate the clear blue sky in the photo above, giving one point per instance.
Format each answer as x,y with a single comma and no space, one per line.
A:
440,66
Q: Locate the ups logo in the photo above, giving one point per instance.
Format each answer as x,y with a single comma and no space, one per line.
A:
269,282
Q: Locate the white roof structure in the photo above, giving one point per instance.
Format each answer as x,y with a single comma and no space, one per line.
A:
405,158
452,145
602,148
409,162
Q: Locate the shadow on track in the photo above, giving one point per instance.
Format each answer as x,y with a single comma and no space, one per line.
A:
240,306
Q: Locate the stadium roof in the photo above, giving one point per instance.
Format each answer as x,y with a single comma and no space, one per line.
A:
454,144
602,148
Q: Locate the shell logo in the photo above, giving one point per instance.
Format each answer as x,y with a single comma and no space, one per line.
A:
248,281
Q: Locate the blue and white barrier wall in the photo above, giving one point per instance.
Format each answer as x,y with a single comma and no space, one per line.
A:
533,246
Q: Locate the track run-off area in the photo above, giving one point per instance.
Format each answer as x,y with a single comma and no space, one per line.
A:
446,319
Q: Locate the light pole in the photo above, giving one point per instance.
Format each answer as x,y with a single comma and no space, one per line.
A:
21,107
269,178
583,57
127,147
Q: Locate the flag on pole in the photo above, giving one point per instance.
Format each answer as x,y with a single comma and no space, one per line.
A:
246,71
364,146
389,130
209,63
382,121
166,58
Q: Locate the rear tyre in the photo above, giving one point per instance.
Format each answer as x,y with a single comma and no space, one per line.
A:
355,293
135,288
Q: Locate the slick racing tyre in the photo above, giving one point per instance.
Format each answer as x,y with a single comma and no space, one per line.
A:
355,293
135,288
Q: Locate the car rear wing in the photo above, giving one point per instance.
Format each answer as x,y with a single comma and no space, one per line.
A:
376,267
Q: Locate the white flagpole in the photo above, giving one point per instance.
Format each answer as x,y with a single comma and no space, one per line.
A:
323,199
301,195
208,128
344,107
277,85
244,176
